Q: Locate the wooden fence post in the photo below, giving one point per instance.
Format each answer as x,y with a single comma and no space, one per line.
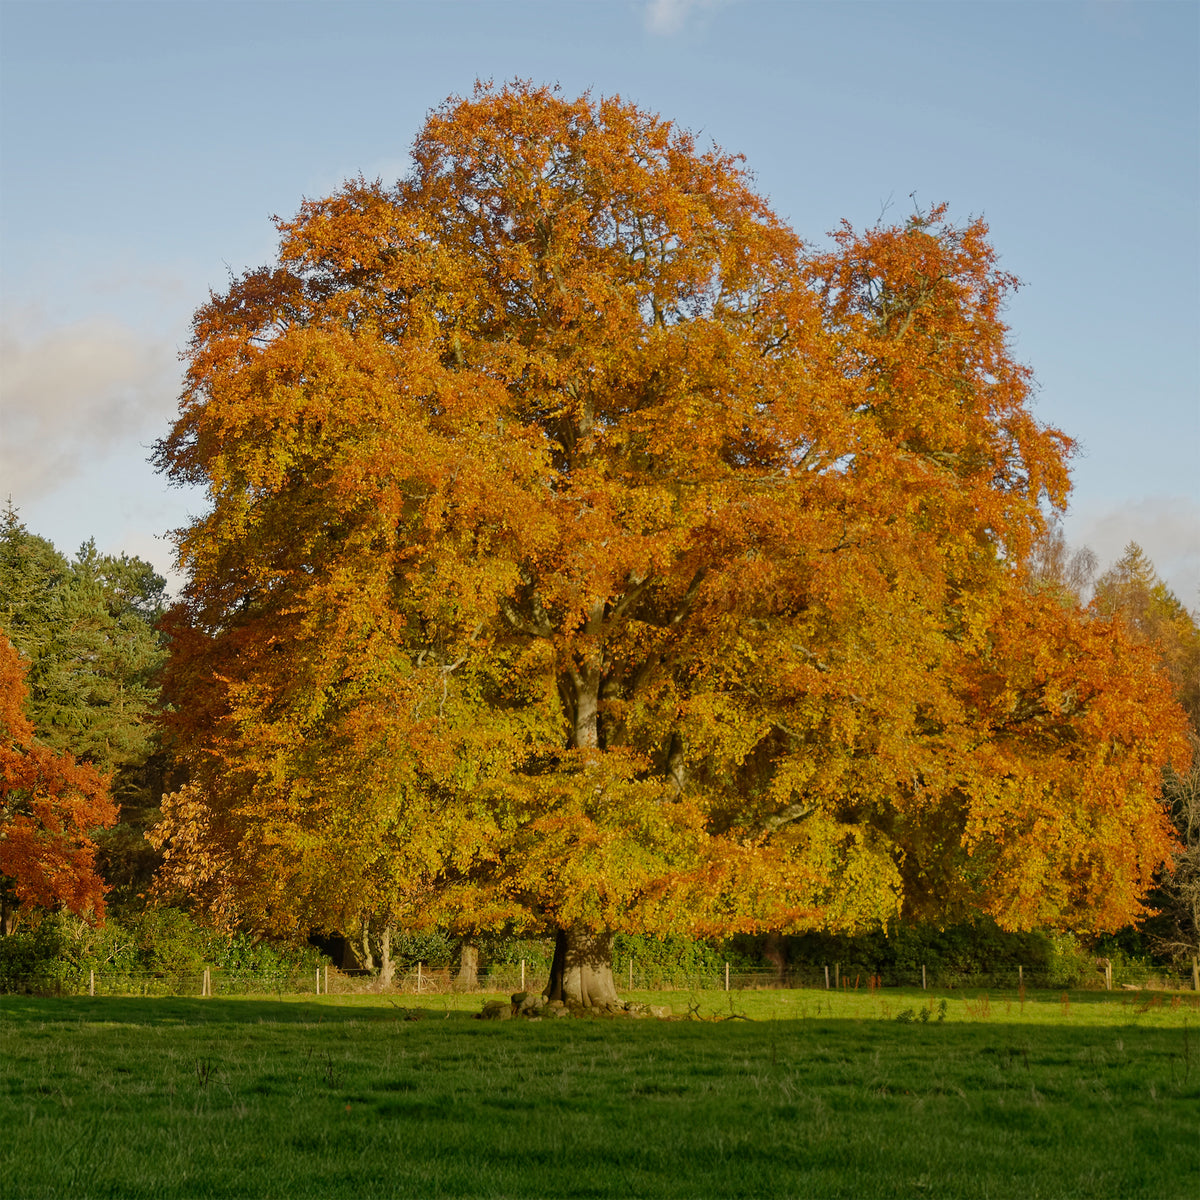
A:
522,974
923,987
91,983
727,977
418,978
837,975
827,977
1020,975
327,979
1195,974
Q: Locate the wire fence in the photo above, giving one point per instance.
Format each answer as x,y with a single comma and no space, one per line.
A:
507,978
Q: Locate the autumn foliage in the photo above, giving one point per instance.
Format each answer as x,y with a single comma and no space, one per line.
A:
585,552
50,806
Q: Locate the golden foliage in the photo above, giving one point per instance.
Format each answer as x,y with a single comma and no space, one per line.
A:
584,550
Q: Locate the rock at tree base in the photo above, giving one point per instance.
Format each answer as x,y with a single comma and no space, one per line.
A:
534,1007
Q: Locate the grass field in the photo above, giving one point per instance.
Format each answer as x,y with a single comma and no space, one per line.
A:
812,1094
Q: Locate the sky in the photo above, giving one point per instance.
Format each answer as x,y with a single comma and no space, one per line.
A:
144,148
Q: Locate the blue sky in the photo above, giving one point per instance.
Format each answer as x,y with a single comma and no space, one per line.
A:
145,146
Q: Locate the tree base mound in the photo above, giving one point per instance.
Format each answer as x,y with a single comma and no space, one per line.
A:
530,1006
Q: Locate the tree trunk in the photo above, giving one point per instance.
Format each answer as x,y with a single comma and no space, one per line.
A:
581,972
387,968
579,691
368,959
467,978
775,952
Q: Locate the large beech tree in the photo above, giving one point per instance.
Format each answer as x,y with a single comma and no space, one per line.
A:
583,552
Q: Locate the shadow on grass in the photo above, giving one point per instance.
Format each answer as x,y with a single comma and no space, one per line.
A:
218,1010
978,1007
1054,995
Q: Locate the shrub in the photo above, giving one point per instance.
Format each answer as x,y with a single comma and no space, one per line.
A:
433,947
169,942
503,950
30,960
259,964
58,953
1068,964
678,961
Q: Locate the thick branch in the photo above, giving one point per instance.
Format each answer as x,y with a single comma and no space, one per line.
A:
540,626
793,812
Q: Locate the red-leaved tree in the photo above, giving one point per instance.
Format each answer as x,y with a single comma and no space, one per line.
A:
49,807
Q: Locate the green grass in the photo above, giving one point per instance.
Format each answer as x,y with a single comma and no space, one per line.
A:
815,1094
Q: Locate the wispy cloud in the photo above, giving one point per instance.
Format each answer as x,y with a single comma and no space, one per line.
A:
668,17
74,393
1166,527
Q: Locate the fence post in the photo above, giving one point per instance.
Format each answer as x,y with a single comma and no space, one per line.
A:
727,977
318,981
631,974
923,977
1020,975
1195,974
522,974
837,975
327,979
418,978
91,983
827,977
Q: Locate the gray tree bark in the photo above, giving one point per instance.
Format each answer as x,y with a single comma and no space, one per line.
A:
581,972
387,968
368,958
467,978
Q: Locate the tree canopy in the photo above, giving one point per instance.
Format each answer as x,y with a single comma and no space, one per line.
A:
87,629
586,552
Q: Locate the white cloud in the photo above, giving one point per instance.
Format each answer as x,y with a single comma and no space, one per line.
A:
1166,527
667,17
156,549
72,394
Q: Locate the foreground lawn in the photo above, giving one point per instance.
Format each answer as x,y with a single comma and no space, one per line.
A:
812,1094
